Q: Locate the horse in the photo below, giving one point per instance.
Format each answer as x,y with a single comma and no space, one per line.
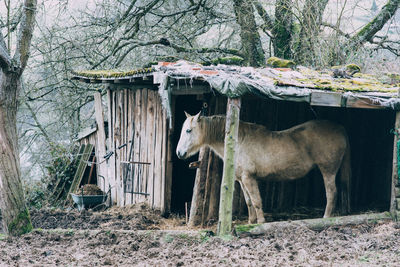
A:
275,155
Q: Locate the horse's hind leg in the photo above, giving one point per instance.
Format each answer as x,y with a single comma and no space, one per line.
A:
252,188
250,208
331,192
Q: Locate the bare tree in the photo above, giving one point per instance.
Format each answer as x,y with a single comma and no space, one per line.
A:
15,214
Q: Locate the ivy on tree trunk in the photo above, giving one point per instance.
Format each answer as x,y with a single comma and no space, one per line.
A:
283,29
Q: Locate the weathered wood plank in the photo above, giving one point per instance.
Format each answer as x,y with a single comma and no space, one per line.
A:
109,180
163,159
117,142
169,166
101,137
150,144
154,145
158,154
143,151
133,114
362,102
331,99
228,177
137,114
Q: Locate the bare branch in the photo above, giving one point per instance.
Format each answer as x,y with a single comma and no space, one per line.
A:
25,34
335,28
368,31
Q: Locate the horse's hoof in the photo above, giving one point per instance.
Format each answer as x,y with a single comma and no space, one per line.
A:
261,220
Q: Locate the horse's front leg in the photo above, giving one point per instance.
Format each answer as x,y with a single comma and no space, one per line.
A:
250,208
251,186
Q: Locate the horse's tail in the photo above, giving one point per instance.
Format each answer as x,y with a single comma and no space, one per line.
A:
345,180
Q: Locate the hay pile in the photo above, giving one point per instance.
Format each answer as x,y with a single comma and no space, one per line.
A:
89,190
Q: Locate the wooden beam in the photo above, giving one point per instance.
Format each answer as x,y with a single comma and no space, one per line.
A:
331,99
312,224
362,102
228,177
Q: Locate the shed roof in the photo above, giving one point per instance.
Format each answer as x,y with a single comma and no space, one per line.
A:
300,84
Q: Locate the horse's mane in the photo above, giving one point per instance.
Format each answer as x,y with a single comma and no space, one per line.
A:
214,126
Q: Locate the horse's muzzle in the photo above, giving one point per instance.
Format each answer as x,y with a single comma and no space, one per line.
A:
181,155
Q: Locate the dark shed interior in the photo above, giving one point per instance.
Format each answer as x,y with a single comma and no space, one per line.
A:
371,143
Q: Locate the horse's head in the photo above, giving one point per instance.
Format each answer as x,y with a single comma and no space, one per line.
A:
191,137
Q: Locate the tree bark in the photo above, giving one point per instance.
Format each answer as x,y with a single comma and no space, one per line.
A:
310,28
251,42
15,214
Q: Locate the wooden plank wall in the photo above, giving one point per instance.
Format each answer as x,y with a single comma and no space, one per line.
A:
141,107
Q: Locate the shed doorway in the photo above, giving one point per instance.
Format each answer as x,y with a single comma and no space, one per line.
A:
182,177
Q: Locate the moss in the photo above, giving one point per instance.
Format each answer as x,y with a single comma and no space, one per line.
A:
70,232
168,238
3,237
21,224
235,60
353,68
280,63
245,228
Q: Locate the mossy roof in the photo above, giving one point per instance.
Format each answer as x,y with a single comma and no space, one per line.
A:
297,84
300,77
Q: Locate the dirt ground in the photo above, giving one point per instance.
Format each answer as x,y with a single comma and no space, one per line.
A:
136,236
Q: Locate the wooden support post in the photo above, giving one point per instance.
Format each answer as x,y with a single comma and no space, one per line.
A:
228,177
101,138
395,176
196,207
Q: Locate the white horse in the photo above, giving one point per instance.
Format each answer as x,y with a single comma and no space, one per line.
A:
275,155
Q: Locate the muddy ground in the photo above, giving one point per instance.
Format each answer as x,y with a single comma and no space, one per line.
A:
136,236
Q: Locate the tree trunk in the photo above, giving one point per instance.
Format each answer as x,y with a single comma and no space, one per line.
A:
310,26
16,218
251,43
283,29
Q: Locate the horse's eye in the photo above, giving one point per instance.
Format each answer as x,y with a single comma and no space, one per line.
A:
188,130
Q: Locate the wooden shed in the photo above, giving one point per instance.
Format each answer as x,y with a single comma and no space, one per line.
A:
145,114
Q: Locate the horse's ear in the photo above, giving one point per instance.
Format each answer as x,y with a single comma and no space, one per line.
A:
197,117
187,114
